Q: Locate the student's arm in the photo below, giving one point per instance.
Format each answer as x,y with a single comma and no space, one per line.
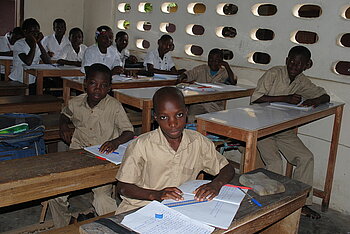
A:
212,189
66,133
109,146
28,58
292,98
7,53
135,192
172,71
117,70
231,76
131,59
44,55
68,62
316,101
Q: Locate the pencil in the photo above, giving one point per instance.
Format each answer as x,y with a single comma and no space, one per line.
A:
251,198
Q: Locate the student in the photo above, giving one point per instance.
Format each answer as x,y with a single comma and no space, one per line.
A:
103,52
98,119
159,60
28,51
121,42
157,162
54,43
72,53
216,71
289,84
7,42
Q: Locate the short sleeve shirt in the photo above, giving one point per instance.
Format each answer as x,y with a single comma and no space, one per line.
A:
153,58
201,73
94,126
276,82
51,44
150,162
123,56
21,47
68,53
93,55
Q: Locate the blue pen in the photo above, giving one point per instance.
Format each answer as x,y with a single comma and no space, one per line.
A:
251,198
114,152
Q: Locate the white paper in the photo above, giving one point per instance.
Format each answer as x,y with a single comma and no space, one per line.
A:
164,77
115,157
291,106
120,78
144,221
221,87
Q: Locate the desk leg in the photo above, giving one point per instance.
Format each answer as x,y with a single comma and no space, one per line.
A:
201,127
287,225
250,152
66,92
7,70
332,158
39,83
146,119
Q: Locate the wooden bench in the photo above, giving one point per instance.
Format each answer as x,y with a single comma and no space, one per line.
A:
12,88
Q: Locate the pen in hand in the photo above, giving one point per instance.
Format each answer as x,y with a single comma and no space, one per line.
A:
251,198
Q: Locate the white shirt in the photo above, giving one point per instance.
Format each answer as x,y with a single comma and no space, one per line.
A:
68,53
152,57
93,55
21,47
124,55
5,45
50,43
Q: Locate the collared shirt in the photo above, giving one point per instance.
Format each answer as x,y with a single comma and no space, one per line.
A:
94,126
202,73
150,162
68,53
93,55
152,57
5,45
123,56
51,44
276,82
21,47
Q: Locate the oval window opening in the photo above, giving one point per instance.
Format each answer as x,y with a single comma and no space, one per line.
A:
260,58
345,40
264,34
169,7
228,54
167,27
226,9
144,26
347,13
266,10
145,7
123,24
196,8
309,11
195,29
193,50
342,68
306,37
124,7
142,44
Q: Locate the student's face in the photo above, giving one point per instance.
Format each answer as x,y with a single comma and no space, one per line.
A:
105,39
296,64
76,38
59,29
14,37
214,62
97,87
171,117
166,45
122,42
33,31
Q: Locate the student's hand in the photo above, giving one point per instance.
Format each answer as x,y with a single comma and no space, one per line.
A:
109,147
118,70
293,98
132,59
311,102
66,133
207,191
181,71
60,62
39,37
51,54
224,64
169,193
31,41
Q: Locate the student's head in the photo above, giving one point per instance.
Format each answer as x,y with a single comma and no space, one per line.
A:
104,36
76,36
165,43
97,83
121,40
215,58
59,27
170,111
298,60
31,27
15,35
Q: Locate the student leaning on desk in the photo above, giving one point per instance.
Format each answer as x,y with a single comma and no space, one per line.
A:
157,162
98,119
289,84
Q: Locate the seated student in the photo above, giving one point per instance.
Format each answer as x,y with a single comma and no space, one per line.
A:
54,43
72,53
157,162
159,60
28,51
103,52
217,70
7,41
289,84
98,119
121,42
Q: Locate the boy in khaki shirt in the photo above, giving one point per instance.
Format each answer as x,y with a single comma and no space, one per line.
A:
98,119
157,162
289,84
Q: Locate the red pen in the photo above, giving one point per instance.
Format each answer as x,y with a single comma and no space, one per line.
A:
236,186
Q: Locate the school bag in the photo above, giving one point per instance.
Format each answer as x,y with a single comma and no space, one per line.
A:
24,141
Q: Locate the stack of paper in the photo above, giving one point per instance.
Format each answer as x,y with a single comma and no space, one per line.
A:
291,106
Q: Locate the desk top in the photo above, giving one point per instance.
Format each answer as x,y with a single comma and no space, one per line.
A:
6,57
260,116
50,67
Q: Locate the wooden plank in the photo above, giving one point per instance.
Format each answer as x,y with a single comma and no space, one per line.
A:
12,88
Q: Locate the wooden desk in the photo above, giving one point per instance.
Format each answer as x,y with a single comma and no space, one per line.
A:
78,84
280,213
37,177
252,122
12,88
6,61
30,104
142,98
47,70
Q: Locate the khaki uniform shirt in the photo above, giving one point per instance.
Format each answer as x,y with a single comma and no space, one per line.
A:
106,121
276,82
202,74
151,163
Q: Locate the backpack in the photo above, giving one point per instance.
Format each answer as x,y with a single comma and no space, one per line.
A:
22,143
